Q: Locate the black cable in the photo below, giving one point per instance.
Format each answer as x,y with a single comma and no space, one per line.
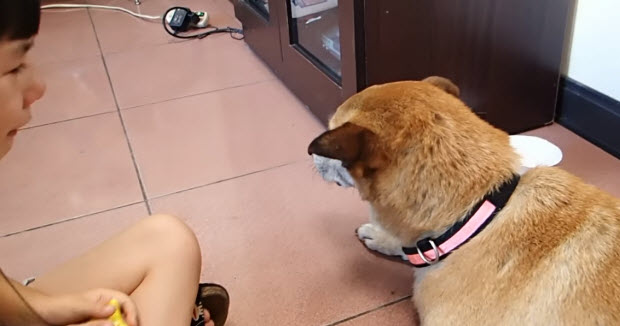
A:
215,30
237,31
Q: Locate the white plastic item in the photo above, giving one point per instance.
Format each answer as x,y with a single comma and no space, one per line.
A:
204,19
535,151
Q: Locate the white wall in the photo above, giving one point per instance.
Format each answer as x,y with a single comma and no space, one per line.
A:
594,57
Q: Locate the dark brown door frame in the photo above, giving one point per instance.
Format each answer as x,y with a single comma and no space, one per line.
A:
261,33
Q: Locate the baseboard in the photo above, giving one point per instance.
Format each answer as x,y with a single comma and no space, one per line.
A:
590,114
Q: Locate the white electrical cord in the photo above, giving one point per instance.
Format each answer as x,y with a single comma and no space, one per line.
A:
59,6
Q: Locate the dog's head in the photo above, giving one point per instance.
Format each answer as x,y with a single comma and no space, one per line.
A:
417,153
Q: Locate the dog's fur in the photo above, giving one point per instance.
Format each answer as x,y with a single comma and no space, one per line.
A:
422,159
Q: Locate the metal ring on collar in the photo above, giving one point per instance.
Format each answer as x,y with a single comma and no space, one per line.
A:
435,249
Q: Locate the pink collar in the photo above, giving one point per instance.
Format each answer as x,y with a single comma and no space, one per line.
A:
429,251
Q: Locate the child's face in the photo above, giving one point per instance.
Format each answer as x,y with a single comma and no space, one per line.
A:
19,88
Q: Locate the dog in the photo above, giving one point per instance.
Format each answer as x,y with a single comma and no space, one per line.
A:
493,244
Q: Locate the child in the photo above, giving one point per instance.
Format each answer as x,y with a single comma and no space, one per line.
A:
152,268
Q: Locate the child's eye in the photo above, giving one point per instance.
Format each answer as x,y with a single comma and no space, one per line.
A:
18,69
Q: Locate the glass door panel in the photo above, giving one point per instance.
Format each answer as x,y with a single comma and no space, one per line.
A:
315,32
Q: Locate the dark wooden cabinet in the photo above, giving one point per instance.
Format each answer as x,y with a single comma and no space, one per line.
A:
503,54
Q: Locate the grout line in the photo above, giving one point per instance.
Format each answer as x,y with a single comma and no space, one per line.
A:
68,219
70,119
104,54
120,116
201,93
151,103
172,193
369,311
227,179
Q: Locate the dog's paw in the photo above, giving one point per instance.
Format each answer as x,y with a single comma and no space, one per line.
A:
367,231
377,239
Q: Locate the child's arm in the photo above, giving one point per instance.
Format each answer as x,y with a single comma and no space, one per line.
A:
23,305
14,308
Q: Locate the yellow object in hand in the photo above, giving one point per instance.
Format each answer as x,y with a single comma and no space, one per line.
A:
117,316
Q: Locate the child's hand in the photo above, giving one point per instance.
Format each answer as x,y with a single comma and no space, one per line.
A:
88,308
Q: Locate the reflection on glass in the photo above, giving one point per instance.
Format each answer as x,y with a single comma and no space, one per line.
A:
316,32
261,6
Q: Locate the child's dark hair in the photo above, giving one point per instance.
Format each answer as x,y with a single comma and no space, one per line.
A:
19,19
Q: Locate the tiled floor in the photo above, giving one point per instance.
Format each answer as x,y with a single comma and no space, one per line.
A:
125,131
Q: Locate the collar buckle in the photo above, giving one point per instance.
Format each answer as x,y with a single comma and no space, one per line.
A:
433,261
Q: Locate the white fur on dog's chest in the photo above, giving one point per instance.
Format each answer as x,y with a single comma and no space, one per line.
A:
332,171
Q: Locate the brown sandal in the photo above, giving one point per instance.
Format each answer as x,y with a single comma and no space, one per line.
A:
216,301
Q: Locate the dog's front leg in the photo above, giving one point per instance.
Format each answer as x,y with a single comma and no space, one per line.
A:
378,239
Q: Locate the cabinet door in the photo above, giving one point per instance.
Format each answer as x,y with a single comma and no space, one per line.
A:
261,28
319,51
503,54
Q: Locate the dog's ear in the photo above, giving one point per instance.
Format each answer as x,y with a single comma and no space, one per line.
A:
350,144
445,84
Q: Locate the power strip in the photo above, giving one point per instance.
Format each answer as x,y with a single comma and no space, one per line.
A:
183,19
178,20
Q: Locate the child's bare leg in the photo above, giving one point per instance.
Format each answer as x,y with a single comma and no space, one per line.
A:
157,262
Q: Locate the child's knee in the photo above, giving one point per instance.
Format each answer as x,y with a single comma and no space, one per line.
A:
172,237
